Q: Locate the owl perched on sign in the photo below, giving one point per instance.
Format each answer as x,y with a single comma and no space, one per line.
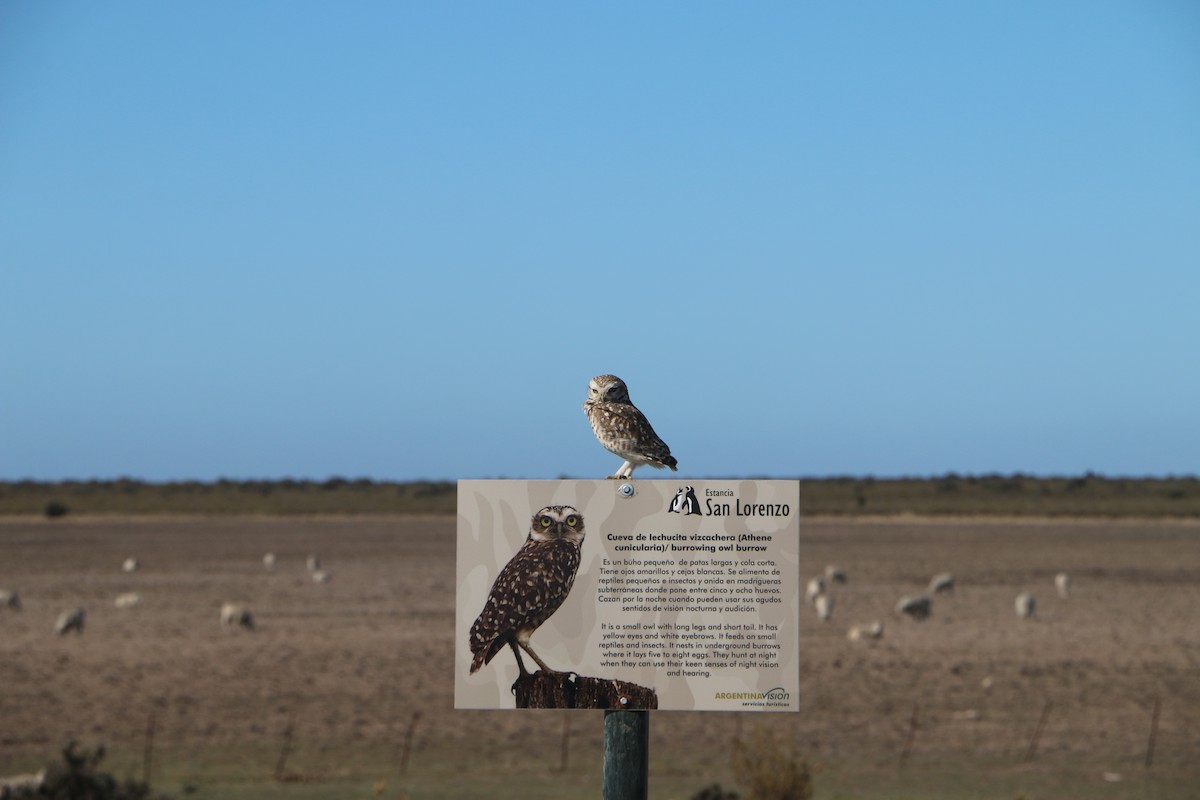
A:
530,588
622,428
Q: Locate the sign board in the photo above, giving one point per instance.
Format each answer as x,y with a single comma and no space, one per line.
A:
691,589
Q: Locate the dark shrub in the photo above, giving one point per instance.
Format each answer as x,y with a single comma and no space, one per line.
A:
76,778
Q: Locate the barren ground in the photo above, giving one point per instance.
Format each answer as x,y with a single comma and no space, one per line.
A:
349,662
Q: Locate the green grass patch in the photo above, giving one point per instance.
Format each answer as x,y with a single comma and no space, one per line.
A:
313,772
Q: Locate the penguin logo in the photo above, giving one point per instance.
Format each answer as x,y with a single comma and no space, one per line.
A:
684,502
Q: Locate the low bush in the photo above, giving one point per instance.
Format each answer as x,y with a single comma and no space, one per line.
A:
77,777
771,768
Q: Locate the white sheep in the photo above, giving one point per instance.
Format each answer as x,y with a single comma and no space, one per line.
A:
233,614
861,632
128,600
314,563
130,565
321,576
917,606
269,561
814,589
1062,582
15,785
835,574
70,621
824,604
942,582
1025,605
10,599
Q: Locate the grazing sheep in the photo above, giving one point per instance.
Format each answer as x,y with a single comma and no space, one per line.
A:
1025,605
987,683
815,588
916,606
269,561
321,576
128,600
130,565
1062,582
70,621
22,785
824,604
10,599
835,574
942,582
861,632
314,563
233,614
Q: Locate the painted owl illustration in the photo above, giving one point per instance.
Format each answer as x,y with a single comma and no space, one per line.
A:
530,588
622,428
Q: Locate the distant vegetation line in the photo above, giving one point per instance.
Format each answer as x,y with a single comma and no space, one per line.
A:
1010,495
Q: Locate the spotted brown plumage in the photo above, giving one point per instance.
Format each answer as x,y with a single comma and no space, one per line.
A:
530,588
622,428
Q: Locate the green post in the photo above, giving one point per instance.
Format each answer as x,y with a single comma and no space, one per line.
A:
626,754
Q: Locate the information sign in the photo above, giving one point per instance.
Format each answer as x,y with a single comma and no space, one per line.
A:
690,590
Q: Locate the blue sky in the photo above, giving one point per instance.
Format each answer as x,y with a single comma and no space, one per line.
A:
395,240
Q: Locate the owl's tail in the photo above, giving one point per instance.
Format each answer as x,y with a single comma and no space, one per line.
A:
485,653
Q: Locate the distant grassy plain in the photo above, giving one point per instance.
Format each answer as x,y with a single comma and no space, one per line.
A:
1087,495
349,663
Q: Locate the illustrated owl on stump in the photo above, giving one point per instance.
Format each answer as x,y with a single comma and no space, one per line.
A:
530,588
622,428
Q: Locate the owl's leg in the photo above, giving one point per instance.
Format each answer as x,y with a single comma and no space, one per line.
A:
525,646
520,663
626,471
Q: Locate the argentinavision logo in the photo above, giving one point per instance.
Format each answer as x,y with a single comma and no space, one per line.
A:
772,698
684,502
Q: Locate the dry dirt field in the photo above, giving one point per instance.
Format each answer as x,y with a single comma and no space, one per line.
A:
350,663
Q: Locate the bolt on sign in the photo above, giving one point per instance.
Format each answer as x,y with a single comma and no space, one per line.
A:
682,596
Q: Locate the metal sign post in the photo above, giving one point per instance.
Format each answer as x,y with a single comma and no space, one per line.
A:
626,755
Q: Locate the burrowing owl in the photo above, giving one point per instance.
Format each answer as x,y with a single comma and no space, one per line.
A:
622,428
531,587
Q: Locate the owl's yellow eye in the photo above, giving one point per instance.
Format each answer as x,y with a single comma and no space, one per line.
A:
546,522
572,521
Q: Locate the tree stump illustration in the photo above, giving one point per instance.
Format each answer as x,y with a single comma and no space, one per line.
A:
569,690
